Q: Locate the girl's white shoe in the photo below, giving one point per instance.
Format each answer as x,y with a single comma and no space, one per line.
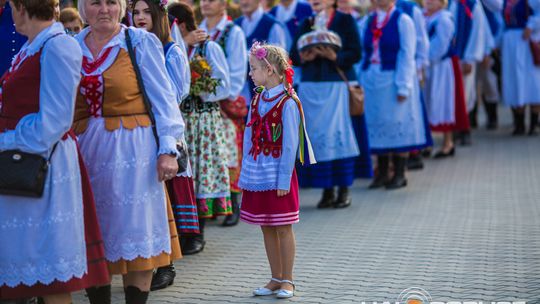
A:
263,291
284,293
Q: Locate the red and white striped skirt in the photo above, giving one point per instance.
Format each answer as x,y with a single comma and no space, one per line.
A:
265,208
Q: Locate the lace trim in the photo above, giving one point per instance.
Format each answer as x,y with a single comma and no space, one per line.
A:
105,199
128,247
121,164
42,270
41,224
258,187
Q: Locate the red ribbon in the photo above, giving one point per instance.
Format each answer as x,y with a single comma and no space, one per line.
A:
91,85
468,11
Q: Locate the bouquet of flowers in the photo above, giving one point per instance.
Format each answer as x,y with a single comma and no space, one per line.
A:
201,77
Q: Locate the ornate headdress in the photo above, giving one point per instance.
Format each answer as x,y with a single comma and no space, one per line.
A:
161,3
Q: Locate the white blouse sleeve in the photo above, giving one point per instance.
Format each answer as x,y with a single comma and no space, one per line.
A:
422,40
291,123
534,20
406,65
61,61
279,37
444,33
178,69
220,70
169,123
237,58
495,6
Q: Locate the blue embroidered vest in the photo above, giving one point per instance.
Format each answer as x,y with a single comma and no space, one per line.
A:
463,27
10,41
388,45
519,15
406,6
261,32
302,11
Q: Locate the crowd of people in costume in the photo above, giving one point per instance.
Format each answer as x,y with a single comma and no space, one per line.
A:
157,116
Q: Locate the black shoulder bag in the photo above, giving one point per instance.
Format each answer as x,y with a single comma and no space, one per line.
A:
24,174
182,159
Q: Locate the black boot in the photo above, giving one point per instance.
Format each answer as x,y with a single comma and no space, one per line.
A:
232,220
344,199
399,180
465,138
382,176
195,243
99,295
533,124
163,277
519,123
135,296
415,162
328,198
473,121
492,117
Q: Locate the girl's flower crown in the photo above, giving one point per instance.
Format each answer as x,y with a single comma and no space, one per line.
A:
161,3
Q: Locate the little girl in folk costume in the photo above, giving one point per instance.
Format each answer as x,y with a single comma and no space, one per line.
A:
275,129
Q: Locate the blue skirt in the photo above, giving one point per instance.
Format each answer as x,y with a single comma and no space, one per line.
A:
340,172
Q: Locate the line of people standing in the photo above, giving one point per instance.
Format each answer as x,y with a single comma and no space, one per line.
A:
419,69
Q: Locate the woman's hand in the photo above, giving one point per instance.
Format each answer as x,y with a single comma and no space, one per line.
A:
167,167
196,36
401,98
527,32
308,55
327,52
466,68
282,192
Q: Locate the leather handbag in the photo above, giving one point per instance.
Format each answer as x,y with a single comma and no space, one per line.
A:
234,109
182,159
356,95
23,174
535,51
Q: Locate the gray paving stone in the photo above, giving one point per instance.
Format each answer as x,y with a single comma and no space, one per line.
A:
466,228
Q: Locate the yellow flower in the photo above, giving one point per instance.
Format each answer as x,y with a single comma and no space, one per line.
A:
204,64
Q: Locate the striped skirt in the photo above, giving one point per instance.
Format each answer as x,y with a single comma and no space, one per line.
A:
265,208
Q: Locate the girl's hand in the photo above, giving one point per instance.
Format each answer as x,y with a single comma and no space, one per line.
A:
466,68
401,98
167,167
282,192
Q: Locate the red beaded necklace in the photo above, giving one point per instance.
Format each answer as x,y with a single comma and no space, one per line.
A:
272,98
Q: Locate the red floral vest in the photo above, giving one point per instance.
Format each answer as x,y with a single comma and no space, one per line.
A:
267,130
20,92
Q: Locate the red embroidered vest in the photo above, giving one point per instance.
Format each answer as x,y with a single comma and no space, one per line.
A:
267,130
20,92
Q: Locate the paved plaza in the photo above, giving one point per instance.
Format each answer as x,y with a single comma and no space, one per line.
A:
465,229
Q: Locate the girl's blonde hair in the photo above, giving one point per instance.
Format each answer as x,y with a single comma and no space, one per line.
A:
277,59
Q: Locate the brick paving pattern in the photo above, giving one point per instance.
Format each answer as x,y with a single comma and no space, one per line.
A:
465,229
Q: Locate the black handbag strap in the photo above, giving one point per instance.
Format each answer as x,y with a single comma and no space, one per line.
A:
140,82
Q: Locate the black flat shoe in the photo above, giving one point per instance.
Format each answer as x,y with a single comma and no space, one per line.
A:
328,199
415,162
193,245
163,277
232,219
442,154
344,200
378,182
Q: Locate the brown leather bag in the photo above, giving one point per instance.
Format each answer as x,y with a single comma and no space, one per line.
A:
356,95
535,51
